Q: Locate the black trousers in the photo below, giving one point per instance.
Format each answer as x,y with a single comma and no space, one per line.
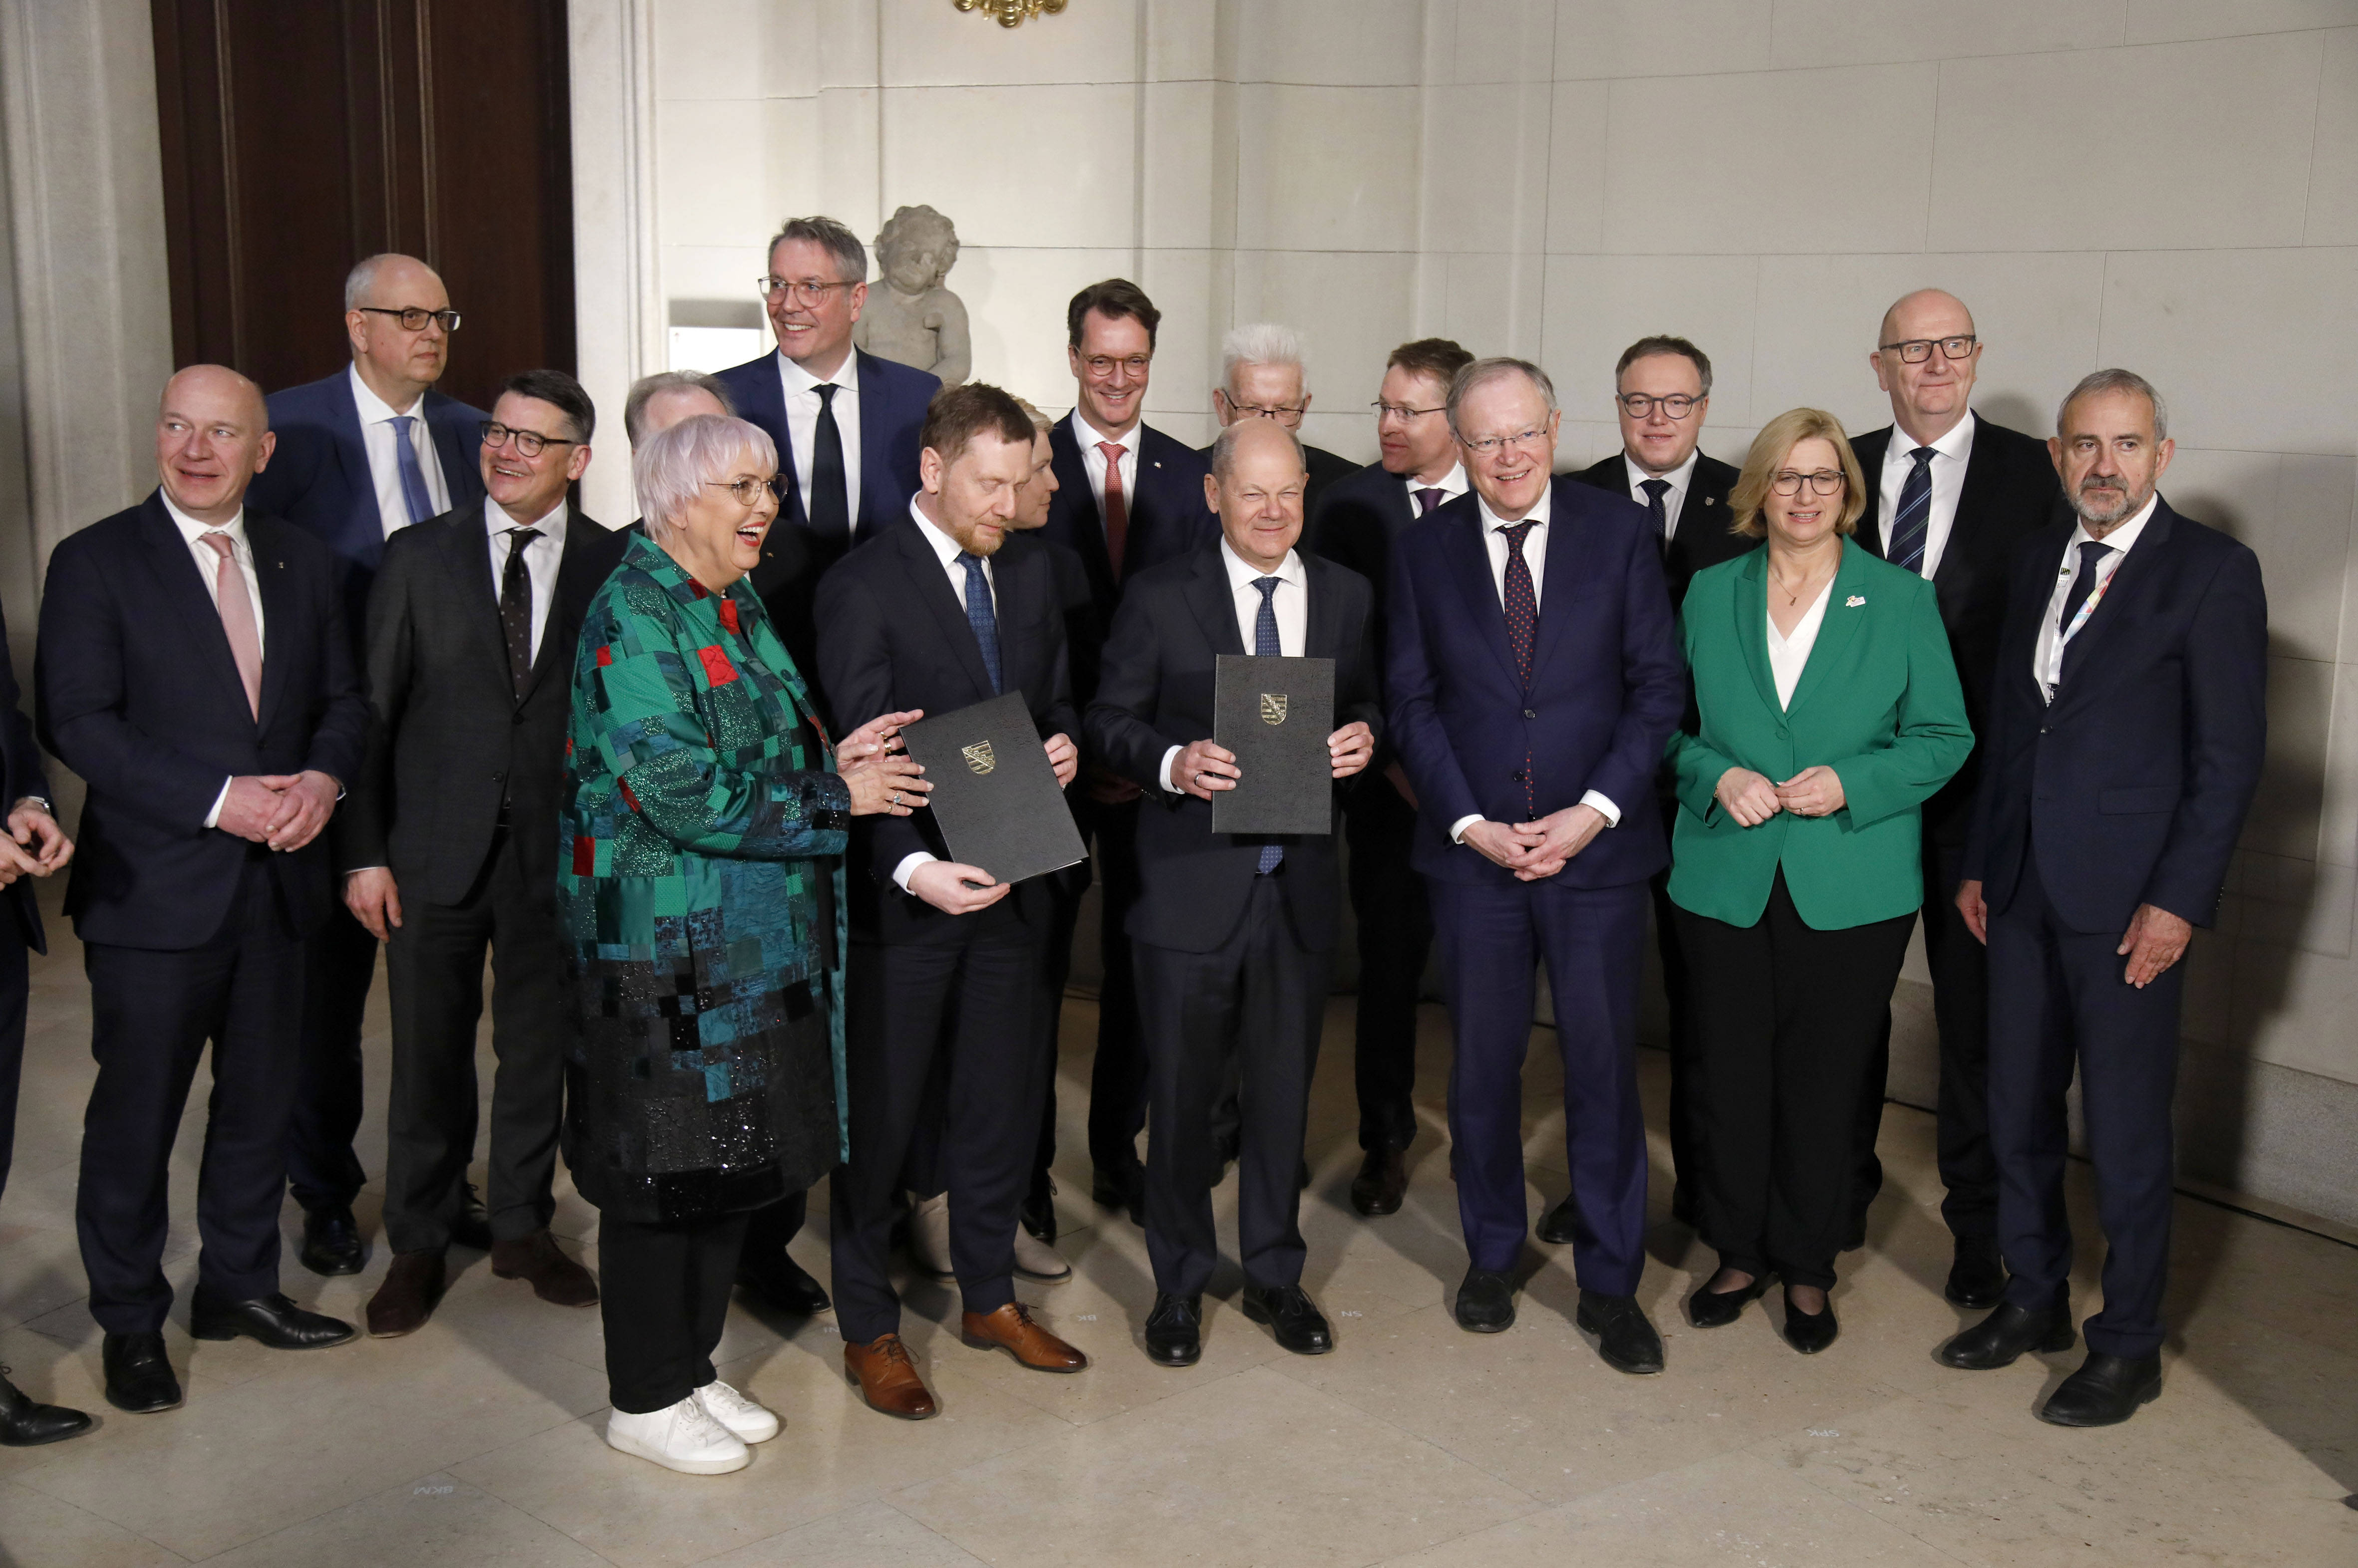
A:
1784,1025
321,1165
1259,997
16,986
434,966
1117,1076
1056,970
1686,1057
152,1015
906,1005
1395,923
662,1292
2058,998
1960,967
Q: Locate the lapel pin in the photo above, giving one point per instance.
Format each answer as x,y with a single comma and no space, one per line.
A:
1853,602
1711,501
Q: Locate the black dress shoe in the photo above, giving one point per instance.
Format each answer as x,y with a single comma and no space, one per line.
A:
1485,1302
2104,1391
138,1376
472,1225
1718,1309
1122,1187
1174,1330
1624,1338
784,1284
1292,1316
25,1423
1382,1184
331,1241
2000,1339
1561,1225
1809,1331
1977,1276
1039,1211
272,1320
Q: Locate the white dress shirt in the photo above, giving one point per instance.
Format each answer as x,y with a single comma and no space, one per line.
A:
801,390
378,437
2048,666
1789,656
1093,462
1535,558
1452,485
540,562
209,569
1952,453
1291,604
1679,478
949,550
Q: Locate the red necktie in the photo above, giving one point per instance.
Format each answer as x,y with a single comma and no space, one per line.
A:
237,618
1116,509
1522,608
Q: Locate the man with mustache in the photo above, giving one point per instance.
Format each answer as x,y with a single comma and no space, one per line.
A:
2126,733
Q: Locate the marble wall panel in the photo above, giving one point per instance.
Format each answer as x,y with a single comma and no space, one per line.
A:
1597,306
2334,164
1840,32
1697,38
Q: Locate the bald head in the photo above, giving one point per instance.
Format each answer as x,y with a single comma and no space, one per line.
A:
1926,313
397,363
1256,485
212,436
1926,357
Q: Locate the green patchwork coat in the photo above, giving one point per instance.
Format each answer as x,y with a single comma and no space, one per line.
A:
701,882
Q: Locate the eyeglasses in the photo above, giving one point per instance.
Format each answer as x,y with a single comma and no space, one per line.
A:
1100,366
1678,404
748,490
809,291
529,443
413,318
1275,411
1916,350
1825,482
1488,445
1399,411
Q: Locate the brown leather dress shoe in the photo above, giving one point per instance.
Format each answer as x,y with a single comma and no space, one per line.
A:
1010,1329
555,1279
886,1377
402,1304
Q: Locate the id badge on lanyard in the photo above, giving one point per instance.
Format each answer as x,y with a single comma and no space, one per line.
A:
2080,619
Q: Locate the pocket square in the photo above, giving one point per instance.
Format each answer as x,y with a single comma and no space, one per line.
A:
1853,602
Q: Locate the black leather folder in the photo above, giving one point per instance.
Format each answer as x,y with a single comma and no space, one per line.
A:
995,793
1275,715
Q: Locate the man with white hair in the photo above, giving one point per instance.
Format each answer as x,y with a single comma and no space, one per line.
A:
1262,377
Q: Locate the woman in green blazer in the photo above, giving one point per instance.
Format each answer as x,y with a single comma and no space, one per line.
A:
1827,710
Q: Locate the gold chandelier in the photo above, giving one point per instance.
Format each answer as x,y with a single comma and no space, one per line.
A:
1011,12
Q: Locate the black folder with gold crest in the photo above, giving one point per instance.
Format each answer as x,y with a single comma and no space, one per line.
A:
1275,715
995,793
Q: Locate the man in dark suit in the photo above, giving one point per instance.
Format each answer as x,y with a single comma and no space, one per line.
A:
1533,679
33,846
1953,496
1262,377
195,670
1231,934
448,840
1662,392
934,617
1354,525
361,455
2127,731
846,424
1127,497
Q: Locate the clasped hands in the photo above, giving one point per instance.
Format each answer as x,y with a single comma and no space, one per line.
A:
18,855
1535,850
1203,769
285,811
1752,800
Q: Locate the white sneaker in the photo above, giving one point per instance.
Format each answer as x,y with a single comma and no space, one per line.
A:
929,1237
1035,1260
752,1422
680,1437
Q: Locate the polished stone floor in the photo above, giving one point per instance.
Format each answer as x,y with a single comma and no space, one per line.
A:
477,1440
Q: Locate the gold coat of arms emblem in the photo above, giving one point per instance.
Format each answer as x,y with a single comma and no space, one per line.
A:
1272,708
978,757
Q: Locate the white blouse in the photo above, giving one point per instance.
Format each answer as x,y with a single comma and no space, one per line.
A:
1788,656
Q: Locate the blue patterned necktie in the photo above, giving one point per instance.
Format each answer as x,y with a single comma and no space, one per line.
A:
1266,646
1522,606
1656,489
413,477
978,616
1915,514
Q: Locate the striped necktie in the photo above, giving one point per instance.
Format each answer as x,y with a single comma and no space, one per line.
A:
1915,514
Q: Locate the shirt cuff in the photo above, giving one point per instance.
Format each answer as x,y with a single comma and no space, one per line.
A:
1163,773
213,817
908,866
1458,828
1604,807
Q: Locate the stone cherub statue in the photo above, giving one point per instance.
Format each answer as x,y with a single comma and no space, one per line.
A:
913,319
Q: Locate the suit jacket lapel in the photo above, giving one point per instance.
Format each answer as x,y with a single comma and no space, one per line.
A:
1975,498
352,456
1752,624
769,399
1214,605
185,591
461,480
1870,449
934,589
2129,579
1318,628
875,466
578,579
465,551
279,617
1835,628
1567,547
1469,561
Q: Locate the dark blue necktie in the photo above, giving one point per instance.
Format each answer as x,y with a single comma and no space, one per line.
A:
1266,646
828,506
413,477
978,616
2083,581
1915,514
1656,489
